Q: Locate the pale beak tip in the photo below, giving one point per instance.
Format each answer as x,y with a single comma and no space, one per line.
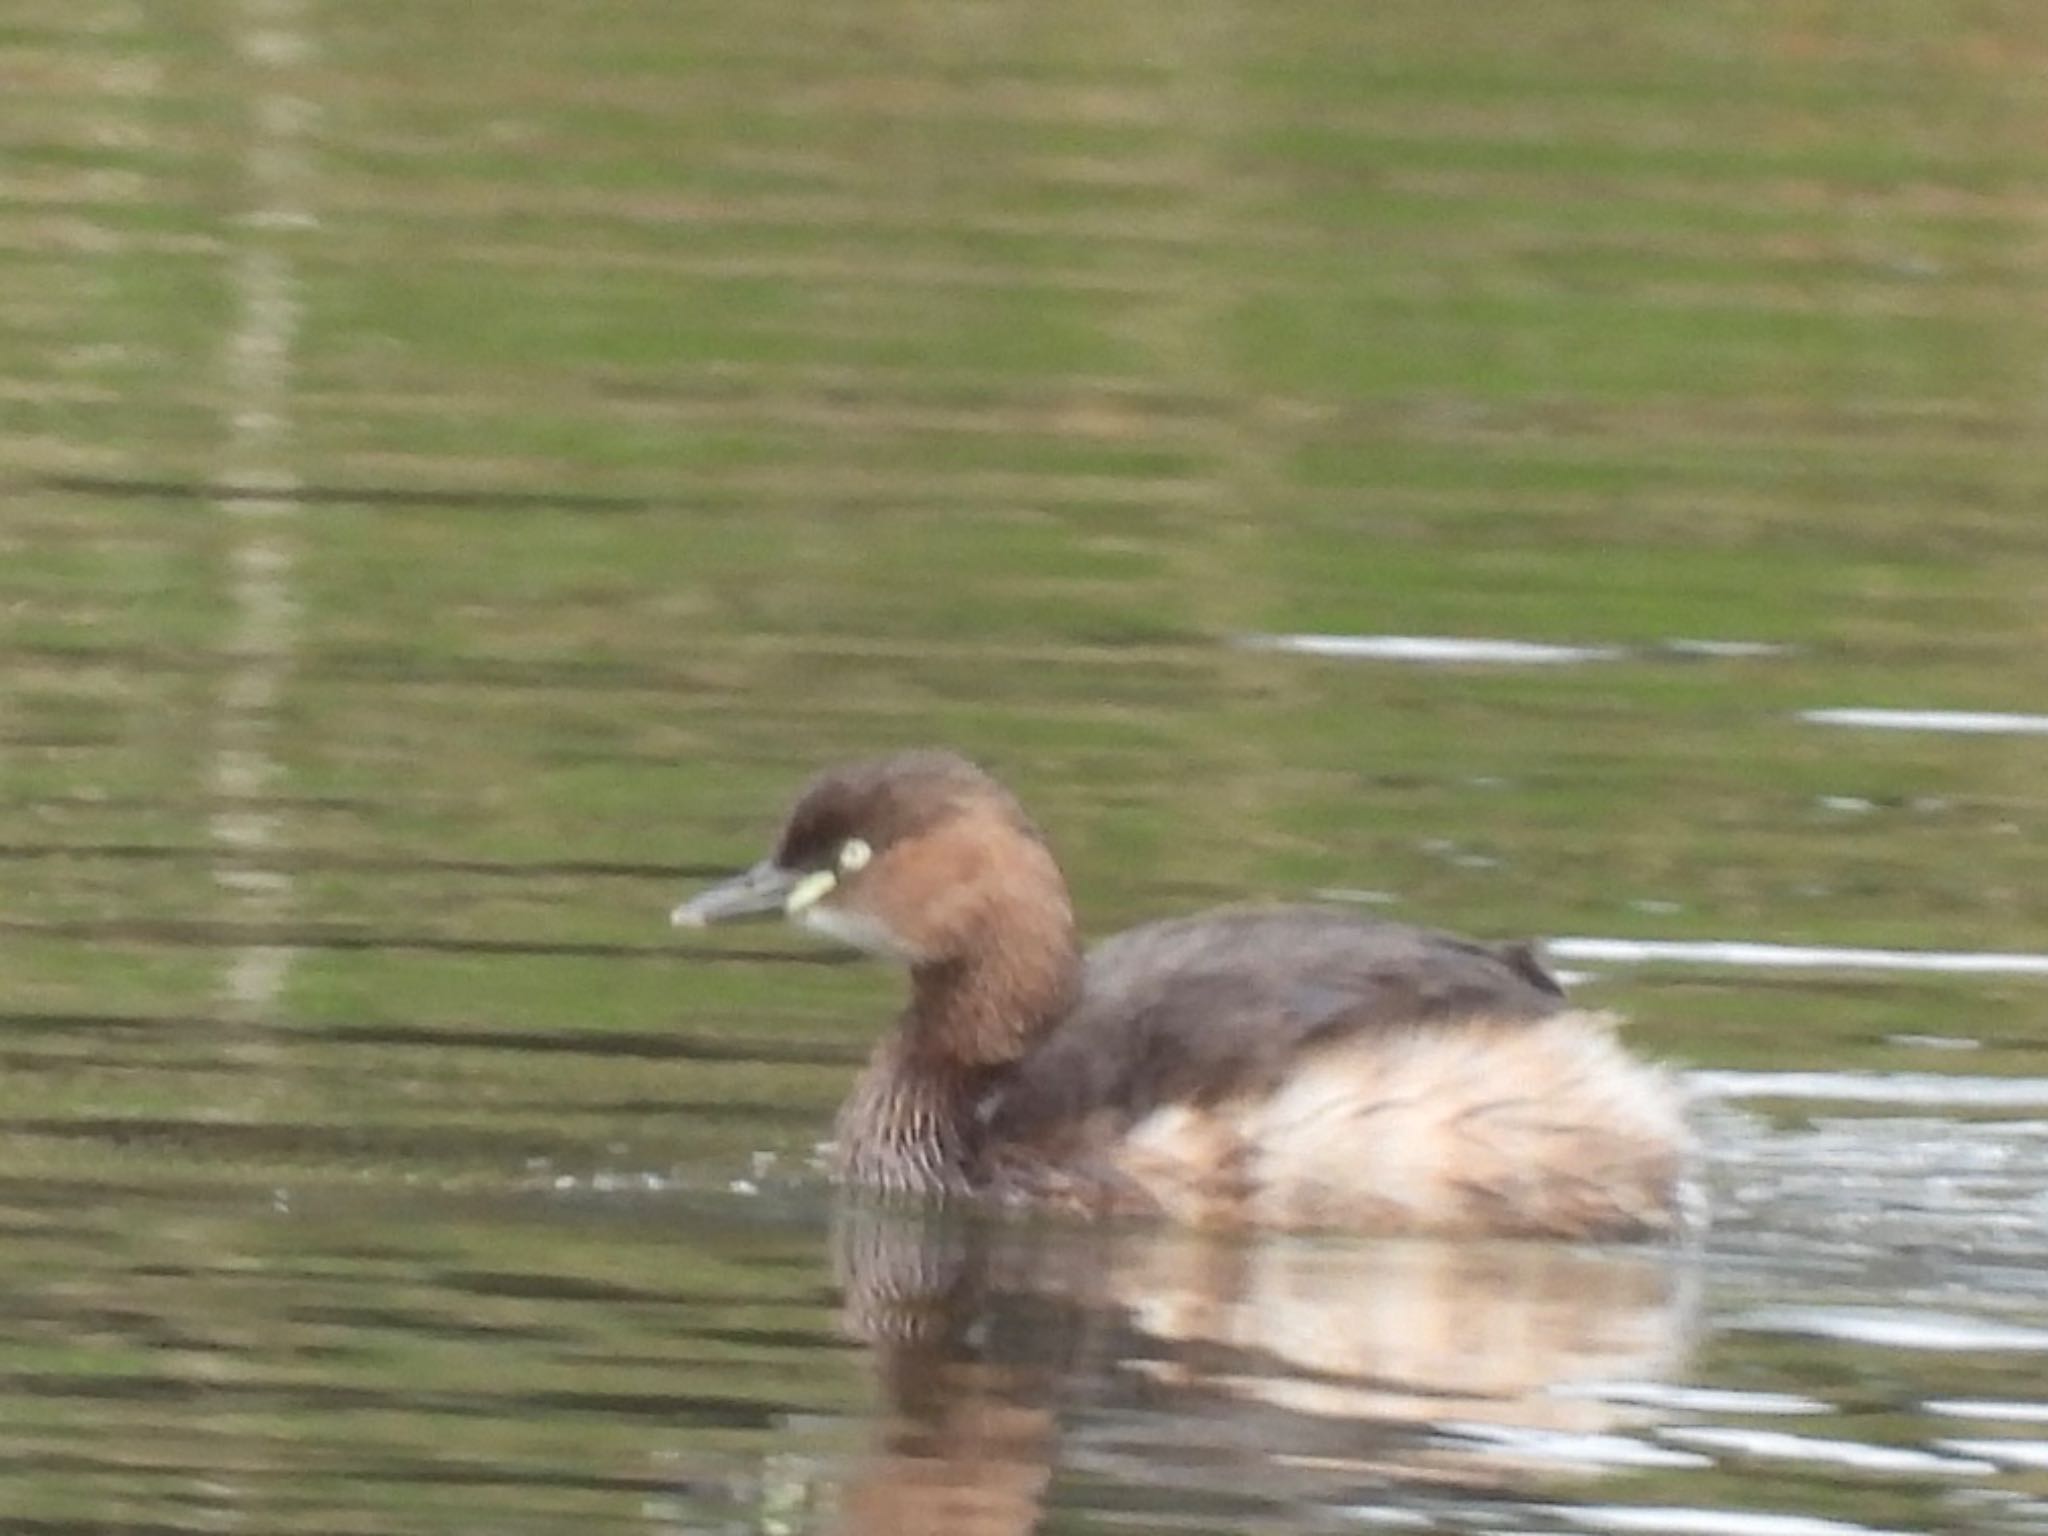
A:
757,892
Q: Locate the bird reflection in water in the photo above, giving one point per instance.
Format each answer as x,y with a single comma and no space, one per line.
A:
1217,1376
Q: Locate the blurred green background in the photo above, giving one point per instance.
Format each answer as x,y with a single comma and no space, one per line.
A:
465,466
670,400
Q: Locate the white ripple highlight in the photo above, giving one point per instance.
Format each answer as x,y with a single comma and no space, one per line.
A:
1684,1399
1576,1449
1483,651
1929,1090
1997,1410
1898,1328
2023,1455
1436,650
1857,1455
1679,1520
1955,722
1757,955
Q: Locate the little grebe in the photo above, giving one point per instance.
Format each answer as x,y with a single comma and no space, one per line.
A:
1282,1066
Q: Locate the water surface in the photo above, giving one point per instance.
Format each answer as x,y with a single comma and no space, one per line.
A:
464,468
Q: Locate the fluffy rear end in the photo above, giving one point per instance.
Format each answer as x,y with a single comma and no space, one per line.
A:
1504,1127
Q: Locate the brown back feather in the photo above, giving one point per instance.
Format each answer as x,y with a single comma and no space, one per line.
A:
1208,1007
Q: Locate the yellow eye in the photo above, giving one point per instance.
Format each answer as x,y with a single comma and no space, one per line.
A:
854,854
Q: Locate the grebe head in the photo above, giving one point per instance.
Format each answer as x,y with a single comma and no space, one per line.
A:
919,857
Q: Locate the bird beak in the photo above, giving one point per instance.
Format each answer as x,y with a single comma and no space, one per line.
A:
762,891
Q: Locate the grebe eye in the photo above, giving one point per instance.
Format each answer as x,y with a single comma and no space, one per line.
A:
854,854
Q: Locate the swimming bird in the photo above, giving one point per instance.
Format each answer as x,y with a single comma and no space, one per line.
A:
1284,1066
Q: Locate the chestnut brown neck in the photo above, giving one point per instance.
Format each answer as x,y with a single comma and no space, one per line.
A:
911,1122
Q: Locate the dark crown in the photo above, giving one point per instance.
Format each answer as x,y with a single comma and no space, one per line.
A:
883,801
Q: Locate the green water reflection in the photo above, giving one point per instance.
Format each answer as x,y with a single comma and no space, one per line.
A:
464,467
